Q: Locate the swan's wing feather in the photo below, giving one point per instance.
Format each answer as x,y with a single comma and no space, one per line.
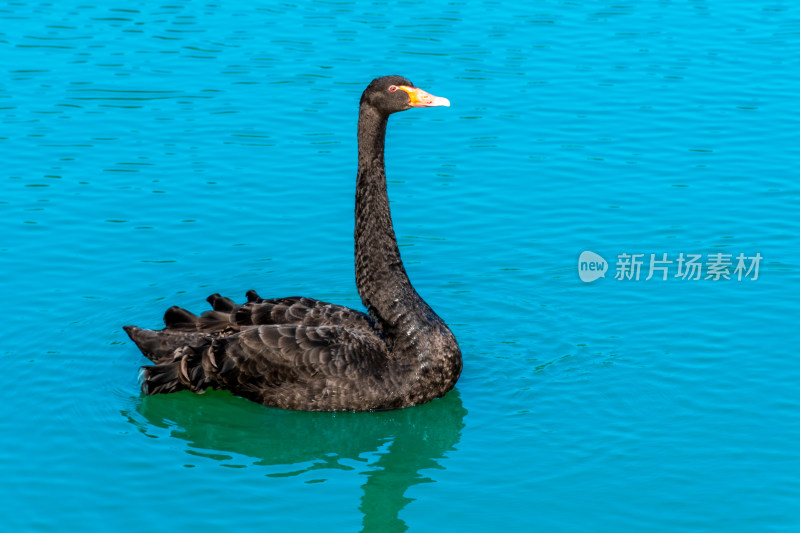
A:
301,311
227,316
303,351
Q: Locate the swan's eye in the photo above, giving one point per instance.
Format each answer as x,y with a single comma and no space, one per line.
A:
393,88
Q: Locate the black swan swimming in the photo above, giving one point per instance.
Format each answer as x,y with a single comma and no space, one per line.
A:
304,354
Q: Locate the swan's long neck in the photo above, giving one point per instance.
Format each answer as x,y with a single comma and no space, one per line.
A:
415,334
380,276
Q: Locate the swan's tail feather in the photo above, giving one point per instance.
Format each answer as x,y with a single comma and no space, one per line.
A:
222,304
190,368
159,345
225,317
214,321
188,353
219,319
179,318
161,379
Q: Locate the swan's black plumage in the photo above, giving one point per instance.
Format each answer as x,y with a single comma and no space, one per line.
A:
304,354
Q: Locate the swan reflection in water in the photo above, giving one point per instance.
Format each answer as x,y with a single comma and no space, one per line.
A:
293,443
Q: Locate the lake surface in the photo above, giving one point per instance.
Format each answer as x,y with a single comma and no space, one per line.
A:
155,154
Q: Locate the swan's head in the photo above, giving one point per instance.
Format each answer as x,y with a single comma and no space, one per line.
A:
391,94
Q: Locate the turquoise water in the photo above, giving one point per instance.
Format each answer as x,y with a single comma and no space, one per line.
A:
155,154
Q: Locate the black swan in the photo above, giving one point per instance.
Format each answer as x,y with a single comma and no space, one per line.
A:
304,354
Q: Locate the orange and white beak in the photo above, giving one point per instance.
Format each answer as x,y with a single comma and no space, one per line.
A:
419,98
